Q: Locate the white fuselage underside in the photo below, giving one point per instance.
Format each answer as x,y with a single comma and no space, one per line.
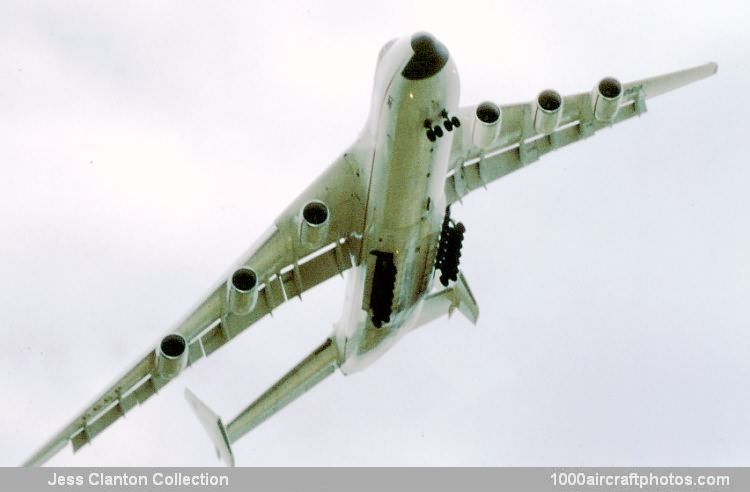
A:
405,202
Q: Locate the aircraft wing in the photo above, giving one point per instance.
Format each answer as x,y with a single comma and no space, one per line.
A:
286,267
520,143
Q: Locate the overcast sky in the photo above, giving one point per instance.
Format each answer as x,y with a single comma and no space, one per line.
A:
144,146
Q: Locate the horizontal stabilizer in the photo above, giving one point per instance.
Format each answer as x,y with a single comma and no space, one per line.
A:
310,371
457,296
214,427
467,305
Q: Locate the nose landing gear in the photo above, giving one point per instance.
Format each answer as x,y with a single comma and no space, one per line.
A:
435,132
450,122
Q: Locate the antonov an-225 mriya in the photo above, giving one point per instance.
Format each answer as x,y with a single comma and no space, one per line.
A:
381,212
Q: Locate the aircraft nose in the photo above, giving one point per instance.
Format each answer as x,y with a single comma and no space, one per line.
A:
430,56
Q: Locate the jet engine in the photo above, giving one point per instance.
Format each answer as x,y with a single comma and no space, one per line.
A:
549,105
314,222
607,98
487,123
242,291
171,355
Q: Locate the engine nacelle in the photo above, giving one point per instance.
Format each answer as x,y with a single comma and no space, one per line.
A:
487,124
607,98
171,355
242,291
549,105
313,223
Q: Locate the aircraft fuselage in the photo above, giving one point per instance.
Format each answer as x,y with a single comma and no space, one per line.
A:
405,178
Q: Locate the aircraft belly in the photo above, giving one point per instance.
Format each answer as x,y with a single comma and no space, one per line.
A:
404,224
405,209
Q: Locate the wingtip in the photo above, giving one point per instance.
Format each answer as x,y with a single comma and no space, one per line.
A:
714,67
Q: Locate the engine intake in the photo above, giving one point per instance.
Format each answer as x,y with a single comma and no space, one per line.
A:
549,106
608,95
315,219
171,355
487,124
242,291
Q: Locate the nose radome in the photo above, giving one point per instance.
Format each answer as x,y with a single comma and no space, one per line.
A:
430,56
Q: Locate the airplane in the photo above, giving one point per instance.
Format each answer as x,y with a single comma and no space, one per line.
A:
380,213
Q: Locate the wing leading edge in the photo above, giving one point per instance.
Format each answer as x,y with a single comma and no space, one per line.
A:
520,144
287,267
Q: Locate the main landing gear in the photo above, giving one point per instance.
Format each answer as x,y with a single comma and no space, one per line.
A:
383,283
449,249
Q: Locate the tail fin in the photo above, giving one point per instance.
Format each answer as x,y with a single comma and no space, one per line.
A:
214,427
